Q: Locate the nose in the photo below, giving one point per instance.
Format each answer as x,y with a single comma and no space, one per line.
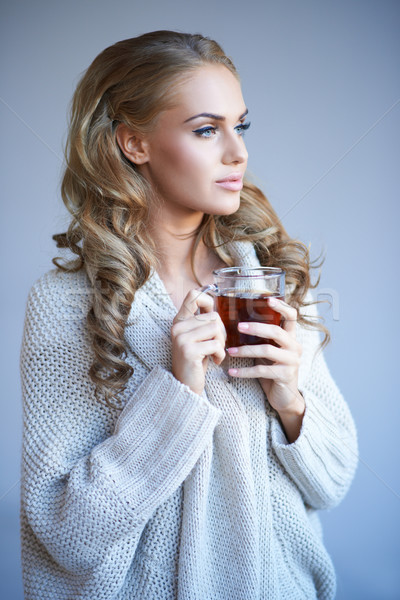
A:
235,151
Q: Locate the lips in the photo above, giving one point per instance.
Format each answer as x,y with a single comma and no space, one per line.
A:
232,182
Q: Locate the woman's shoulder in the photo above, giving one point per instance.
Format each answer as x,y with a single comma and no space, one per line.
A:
58,280
61,284
60,297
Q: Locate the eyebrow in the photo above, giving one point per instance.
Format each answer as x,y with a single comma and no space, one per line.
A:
216,117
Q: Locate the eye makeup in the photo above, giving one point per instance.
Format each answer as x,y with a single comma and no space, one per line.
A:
210,131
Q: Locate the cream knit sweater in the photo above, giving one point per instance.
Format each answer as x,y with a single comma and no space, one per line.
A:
175,495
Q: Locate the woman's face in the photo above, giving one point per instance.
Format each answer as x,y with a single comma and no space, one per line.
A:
199,143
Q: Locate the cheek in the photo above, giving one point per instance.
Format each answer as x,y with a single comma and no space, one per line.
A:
189,161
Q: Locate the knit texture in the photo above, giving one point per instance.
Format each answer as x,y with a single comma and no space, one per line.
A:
175,496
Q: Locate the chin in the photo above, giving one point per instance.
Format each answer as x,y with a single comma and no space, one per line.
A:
230,209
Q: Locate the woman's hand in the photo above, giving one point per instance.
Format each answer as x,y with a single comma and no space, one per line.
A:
196,338
277,367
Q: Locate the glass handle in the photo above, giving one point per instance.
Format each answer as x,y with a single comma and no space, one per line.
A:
211,289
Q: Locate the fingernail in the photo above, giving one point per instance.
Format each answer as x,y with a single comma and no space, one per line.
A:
233,350
272,301
243,326
232,371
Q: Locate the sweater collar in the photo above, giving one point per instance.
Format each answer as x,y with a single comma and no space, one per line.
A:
152,312
243,254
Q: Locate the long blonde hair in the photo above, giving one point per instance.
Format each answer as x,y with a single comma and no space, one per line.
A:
132,82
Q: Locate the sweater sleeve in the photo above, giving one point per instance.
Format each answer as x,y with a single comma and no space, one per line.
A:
91,479
323,459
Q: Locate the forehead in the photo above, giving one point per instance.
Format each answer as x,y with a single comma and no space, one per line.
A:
210,88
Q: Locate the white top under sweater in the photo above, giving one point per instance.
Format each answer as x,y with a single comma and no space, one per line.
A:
177,496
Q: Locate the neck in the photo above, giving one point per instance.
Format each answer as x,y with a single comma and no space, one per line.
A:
175,249
174,236
174,239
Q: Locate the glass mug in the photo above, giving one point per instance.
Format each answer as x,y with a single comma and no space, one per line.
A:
241,295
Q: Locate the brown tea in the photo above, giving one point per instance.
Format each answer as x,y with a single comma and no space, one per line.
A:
234,309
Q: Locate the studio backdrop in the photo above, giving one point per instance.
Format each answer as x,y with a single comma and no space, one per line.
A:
321,81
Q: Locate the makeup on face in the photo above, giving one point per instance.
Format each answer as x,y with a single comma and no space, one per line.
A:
197,155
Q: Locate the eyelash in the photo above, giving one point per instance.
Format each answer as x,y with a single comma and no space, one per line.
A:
240,128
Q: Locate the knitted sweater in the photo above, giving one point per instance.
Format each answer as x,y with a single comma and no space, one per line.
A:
176,495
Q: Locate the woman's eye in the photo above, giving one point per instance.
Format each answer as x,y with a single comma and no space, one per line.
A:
242,128
205,131
209,131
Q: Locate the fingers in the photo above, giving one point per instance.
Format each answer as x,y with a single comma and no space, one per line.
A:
195,321
277,360
195,300
199,329
281,336
270,353
284,334
198,335
213,348
278,373
193,352
288,313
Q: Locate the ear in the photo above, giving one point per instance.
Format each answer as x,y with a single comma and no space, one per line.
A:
134,147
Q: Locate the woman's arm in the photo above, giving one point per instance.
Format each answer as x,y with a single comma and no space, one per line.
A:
313,434
323,459
92,479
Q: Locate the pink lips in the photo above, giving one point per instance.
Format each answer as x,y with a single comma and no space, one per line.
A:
232,182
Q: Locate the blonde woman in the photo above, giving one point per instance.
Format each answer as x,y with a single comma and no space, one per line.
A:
157,463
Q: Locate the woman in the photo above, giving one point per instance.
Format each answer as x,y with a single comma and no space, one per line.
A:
156,464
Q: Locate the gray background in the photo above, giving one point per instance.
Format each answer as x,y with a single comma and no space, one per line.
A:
321,80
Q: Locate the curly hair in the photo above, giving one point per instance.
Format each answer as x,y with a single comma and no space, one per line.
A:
132,82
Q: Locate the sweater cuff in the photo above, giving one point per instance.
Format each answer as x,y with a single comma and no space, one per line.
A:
158,439
318,461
